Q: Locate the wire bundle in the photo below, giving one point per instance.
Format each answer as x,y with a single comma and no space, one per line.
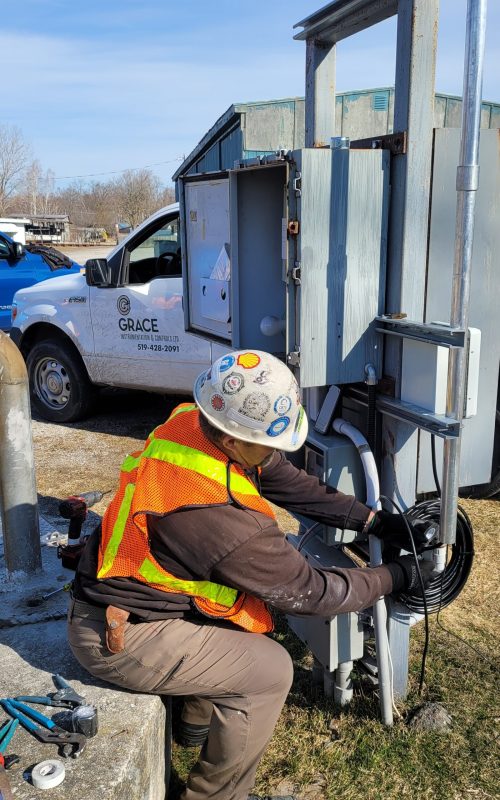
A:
448,584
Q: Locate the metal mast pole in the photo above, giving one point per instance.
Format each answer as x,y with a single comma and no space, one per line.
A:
467,184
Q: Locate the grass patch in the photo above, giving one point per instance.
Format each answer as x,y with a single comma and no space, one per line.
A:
321,751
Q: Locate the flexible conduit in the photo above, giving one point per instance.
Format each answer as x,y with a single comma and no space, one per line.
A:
379,608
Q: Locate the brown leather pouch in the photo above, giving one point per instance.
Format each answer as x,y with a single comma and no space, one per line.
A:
115,628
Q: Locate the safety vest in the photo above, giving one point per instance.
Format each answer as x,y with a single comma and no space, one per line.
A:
178,468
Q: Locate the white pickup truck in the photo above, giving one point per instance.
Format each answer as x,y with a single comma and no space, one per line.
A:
120,324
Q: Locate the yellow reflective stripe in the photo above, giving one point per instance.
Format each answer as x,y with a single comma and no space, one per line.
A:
197,461
118,531
210,591
130,463
181,409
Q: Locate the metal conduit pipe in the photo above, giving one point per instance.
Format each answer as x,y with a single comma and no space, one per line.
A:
379,608
467,183
18,498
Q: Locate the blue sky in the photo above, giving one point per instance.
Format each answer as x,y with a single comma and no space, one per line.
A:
107,85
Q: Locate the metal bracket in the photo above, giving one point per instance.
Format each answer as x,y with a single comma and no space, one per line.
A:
432,332
293,227
394,142
445,427
297,184
293,358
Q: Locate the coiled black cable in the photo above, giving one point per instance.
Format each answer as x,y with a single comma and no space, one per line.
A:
448,584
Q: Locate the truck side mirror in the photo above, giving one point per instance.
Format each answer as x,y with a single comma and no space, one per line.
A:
97,272
19,250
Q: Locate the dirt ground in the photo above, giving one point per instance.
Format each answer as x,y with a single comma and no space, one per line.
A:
86,456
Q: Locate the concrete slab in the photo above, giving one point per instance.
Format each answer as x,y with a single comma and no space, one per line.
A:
124,760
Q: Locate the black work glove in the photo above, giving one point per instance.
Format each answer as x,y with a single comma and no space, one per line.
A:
405,576
391,528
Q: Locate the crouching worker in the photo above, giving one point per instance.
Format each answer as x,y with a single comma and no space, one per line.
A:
174,590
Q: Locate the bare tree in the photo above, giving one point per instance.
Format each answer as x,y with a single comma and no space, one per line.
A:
138,194
14,156
39,187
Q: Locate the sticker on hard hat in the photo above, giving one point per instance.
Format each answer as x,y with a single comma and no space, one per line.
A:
278,426
226,363
217,402
233,383
248,360
298,425
282,405
263,377
256,405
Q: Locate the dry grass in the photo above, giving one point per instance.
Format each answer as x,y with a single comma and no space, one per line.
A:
319,751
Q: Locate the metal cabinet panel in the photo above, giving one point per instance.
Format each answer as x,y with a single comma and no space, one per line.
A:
343,240
478,431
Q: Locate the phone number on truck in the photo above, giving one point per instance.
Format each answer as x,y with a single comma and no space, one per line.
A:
165,348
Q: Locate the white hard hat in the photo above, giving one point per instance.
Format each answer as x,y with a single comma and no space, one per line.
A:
253,396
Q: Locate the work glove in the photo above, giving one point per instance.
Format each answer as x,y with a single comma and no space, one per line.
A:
391,528
405,575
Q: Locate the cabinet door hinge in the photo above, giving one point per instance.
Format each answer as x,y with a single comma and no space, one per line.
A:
293,358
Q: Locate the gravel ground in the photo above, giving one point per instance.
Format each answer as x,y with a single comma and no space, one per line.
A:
81,254
86,456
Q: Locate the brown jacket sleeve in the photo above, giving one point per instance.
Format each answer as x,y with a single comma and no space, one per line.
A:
269,567
295,490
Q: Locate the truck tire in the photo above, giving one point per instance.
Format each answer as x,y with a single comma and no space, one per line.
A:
60,389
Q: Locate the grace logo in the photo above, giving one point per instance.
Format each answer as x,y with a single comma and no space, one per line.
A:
123,304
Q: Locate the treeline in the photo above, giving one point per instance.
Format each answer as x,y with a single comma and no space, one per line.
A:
26,188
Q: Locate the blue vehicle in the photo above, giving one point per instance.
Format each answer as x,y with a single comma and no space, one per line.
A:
22,266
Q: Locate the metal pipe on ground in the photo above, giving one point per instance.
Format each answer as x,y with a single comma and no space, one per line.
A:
467,184
18,498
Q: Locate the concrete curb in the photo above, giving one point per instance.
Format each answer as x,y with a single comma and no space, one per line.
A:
125,759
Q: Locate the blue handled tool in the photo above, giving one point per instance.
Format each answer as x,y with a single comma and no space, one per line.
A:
6,733
71,744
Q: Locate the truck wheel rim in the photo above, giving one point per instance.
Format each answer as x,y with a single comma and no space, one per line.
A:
52,383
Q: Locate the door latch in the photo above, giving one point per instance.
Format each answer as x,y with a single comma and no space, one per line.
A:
293,227
295,273
293,358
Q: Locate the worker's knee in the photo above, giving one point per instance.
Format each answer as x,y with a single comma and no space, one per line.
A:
277,668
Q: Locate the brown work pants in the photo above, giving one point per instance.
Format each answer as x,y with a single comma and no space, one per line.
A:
240,678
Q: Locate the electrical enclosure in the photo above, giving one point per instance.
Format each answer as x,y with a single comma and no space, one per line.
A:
306,241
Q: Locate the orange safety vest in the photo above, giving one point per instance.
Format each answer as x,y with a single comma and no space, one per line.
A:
178,468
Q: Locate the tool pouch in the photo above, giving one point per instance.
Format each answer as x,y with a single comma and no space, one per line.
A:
115,628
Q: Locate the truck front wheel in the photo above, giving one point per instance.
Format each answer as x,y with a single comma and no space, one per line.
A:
60,389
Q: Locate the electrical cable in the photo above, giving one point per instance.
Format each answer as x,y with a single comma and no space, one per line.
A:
446,587
434,465
423,596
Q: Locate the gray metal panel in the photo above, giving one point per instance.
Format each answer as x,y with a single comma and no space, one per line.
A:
439,111
361,117
257,199
485,115
409,220
320,93
339,116
453,118
299,130
205,217
343,218
210,161
495,116
231,148
478,432
269,127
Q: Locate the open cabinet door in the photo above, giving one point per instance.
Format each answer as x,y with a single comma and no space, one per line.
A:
342,209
